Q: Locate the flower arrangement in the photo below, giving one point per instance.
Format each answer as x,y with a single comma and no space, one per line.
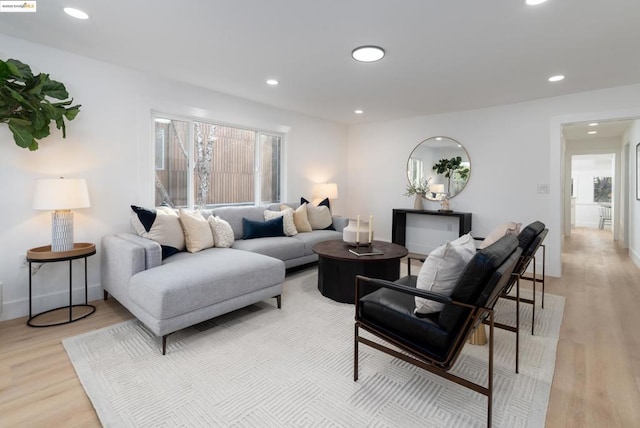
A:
420,187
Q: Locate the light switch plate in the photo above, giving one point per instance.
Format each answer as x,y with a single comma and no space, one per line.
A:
543,188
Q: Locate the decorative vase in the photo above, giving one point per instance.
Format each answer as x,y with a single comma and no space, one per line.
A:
417,204
349,233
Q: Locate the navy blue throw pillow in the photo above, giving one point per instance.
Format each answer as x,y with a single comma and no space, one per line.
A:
262,229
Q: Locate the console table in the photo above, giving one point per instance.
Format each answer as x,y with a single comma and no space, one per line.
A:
399,222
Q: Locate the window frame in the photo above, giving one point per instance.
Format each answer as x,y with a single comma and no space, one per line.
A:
257,197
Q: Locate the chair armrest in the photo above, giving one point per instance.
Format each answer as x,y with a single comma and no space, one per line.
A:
416,292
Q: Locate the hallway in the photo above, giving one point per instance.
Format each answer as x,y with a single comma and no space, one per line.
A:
597,376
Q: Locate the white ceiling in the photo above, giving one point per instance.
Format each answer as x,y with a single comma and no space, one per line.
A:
442,55
605,129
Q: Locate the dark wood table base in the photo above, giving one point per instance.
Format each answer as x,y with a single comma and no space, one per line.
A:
337,268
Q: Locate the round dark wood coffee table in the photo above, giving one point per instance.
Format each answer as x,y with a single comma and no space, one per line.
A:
337,267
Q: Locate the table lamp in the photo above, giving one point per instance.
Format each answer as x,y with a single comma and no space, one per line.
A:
61,195
437,190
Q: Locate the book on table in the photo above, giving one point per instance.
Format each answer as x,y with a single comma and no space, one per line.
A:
365,251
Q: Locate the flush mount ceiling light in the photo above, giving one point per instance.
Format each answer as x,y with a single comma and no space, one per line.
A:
272,82
557,78
534,2
368,53
358,111
76,13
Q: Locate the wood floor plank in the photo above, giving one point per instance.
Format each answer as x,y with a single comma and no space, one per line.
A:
596,381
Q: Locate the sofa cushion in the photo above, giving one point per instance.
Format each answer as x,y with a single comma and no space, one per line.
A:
214,275
160,224
300,218
197,233
311,239
221,230
319,215
392,312
234,215
283,248
262,229
287,220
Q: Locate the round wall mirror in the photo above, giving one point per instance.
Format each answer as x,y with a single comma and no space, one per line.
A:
441,162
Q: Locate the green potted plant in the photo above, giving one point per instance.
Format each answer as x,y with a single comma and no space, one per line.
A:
26,106
450,166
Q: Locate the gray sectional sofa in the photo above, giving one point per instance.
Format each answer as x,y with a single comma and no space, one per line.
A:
187,288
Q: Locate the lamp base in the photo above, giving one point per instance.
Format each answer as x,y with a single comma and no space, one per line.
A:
61,231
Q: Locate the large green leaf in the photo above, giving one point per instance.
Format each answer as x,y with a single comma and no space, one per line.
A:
21,135
25,103
19,69
4,70
72,112
54,89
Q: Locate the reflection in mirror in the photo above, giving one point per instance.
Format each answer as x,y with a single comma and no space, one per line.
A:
439,154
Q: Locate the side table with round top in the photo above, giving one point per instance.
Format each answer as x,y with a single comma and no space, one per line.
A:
45,255
338,268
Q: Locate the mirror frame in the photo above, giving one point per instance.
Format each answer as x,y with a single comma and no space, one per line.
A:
465,154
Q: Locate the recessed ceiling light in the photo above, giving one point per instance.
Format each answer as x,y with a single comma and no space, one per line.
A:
76,13
557,78
272,82
358,111
593,124
592,132
368,53
535,2
438,138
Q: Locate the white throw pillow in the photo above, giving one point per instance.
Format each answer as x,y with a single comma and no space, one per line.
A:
300,218
197,233
319,217
288,225
161,224
466,243
508,228
440,273
222,232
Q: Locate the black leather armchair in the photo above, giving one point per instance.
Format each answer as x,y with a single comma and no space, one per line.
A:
434,342
530,240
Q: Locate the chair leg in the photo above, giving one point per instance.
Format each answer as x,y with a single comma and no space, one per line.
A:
544,260
517,323
105,295
490,378
533,305
355,354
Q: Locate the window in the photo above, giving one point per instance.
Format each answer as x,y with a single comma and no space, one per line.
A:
230,165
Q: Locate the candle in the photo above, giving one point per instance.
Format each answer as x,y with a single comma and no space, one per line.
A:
370,229
358,229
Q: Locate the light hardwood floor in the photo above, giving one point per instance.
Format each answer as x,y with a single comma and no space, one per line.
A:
596,381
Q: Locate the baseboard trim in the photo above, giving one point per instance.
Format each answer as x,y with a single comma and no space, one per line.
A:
20,308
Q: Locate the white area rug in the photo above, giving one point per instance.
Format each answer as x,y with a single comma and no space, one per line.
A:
264,367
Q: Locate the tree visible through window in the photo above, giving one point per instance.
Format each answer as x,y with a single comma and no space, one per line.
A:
601,189
230,165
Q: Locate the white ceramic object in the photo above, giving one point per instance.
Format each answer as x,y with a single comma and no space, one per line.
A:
349,233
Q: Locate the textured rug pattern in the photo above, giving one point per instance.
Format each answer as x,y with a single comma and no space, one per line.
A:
264,367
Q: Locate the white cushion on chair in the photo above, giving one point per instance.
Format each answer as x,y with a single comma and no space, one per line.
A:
508,228
441,270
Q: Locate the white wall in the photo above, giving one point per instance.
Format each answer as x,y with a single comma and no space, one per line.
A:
512,148
109,144
634,206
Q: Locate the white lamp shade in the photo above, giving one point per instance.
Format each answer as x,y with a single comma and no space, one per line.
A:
61,194
328,190
437,188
